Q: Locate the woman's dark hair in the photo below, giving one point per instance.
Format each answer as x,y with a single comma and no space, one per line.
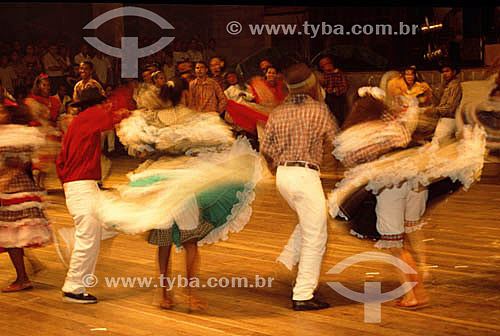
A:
35,90
364,109
90,64
173,93
414,70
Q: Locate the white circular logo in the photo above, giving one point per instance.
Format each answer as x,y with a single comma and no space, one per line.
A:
89,280
234,27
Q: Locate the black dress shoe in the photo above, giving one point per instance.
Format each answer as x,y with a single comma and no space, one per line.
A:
311,304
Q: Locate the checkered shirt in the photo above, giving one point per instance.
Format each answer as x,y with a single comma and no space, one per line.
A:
297,129
334,80
206,96
374,151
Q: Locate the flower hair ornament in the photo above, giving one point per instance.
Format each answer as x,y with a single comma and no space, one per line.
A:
373,91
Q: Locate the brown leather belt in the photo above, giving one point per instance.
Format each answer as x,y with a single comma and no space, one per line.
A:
304,164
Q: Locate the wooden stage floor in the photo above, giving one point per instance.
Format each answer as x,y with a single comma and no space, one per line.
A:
463,242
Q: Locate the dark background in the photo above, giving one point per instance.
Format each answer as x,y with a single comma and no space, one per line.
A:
465,30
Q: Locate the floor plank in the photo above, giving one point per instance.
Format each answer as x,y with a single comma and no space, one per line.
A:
463,235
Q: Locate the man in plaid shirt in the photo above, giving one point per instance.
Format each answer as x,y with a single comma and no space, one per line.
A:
450,96
294,137
335,85
205,94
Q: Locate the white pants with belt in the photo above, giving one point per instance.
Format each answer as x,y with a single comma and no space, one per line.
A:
80,196
301,188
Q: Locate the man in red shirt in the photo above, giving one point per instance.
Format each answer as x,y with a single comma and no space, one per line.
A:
79,169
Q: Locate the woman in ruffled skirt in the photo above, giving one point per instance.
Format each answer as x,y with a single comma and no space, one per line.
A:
187,202
22,221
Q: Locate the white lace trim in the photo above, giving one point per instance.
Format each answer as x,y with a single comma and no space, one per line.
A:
24,222
194,130
24,206
7,196
380,244
462,161
19,135
416,227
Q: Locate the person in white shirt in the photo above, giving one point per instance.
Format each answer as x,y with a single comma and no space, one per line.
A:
7,74
54,67
169,67
102,67
83,55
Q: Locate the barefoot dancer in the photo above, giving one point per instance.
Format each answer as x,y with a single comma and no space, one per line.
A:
399,208
22,221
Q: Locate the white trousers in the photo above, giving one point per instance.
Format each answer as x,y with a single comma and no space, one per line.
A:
80,197
108,136
301,188
445,129
397,207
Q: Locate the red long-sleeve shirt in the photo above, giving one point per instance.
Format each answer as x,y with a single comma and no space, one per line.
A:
80,156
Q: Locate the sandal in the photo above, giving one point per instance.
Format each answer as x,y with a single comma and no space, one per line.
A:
417,306
196,303
167,304
17,287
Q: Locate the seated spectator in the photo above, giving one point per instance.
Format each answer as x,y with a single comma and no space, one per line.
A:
73,77
205,94
194,52
86,69
179,53
216,67
19,69
102,68
63,98
54,66
448,97
31,58
7,74
83,55
269,91
409,84
169,66
335,85
210,51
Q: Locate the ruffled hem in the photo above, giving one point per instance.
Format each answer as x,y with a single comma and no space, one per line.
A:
24,222
236,221
421,166
24,206
7,196
25,236
381,244
19,136
415,227
125,211
193,130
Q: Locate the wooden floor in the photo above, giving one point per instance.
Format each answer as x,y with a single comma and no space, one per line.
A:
463,238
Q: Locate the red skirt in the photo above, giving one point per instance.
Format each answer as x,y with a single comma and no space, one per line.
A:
244,116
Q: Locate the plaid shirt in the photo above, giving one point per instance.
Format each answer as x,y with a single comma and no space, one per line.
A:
206,95
374,151
334,80
452,94
297,129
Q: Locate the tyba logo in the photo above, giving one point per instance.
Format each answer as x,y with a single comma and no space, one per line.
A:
129,52
373,296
